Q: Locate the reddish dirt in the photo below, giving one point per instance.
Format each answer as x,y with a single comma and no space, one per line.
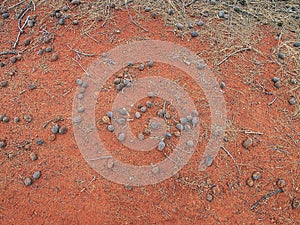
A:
70,192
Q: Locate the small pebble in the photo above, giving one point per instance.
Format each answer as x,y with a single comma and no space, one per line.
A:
13,59
41,52
213,2
54,57
5,15
75,2
179,26
137,115
120,87
121,137
200,23
1,117
295,203
281,183
109,114
209,161
85,85
195,34
33,156
58,14
36,175
123,111
143,109
79,82
49,49
149,104
150,94
55,129
296,44
195,113
141,67
190,25
27,42
195,121
222,85
5,119
62,130
30,23
221,14
256,175
183,120
154,125
190,143
28,181
16,119
155,170
3,83
170,12
2,144
209,197
110,128
168,135
39,141
110,163
249,182
147,9
61,21
117,81
81,109
154,15
27,118
292,101
150,63
2,64
141,136
52,137
161,145
179,126
247,143
275,79
128,187
75,22
277,84
281,55
293,81
121,121
31,87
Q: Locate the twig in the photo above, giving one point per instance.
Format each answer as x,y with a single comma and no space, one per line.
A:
8,53
20,32
23,13
252,132
13,6
235,163
86,187
132,20
107,15
228,56
270,103
81,53
52,120
81,67
103,157
265,197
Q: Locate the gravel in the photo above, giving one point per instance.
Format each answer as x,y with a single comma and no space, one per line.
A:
117,81
27,118
143,109
249,182
277,84
61,21
296,44
79,82
2,144
33,156
149,104
55,129
256,175
150,94
281,183
179,126
5,119
168,135
62,130
121,121
49,49
161,145
137,115
36,175
110,128
195,121
123,111
209,161
195,34
147,9
141,136
3,83
221,14
39,141
292,101
141,67
200,23
154,125
247,143
209,197
281,55
121,137
275,79
183,120
195,113
179,26
32,87
150,63
28,181
16,119
27,42
13,59
110,114
75,22
5,15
